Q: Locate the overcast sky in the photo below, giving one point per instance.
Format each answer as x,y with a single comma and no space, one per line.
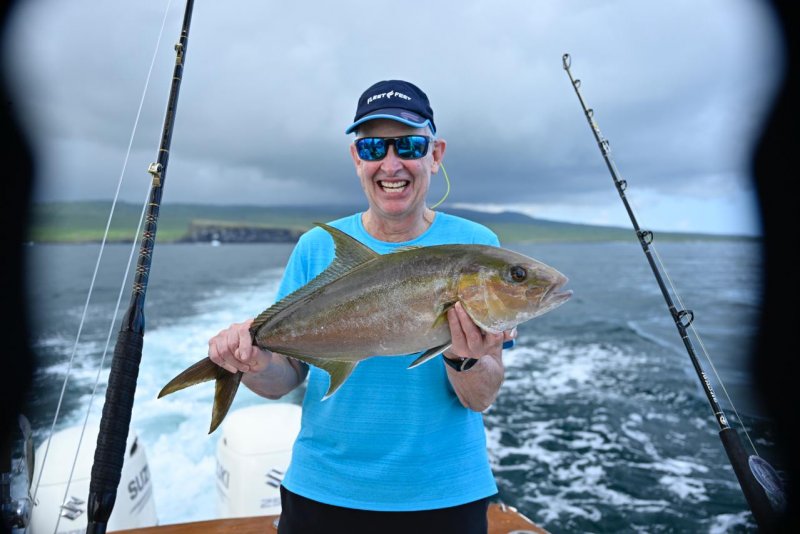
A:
680,88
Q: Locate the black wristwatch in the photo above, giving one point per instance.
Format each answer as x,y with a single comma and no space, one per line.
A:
460,364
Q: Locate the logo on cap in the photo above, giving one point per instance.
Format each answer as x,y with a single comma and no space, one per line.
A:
389,95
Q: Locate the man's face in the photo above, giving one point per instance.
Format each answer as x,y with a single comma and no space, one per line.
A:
395,187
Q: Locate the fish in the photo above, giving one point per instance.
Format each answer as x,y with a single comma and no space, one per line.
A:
366,304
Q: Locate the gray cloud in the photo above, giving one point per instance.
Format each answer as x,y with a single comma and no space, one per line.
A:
679,88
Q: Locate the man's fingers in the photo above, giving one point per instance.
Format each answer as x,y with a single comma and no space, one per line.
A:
244,342
456,332
508,335
215,353
472,334
224,349
470,341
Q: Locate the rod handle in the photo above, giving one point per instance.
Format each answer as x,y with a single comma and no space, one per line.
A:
753,491
114,425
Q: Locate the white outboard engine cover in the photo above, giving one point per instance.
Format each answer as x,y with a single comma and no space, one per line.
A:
252,456
133,508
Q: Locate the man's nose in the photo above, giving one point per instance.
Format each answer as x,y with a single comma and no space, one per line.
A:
391,163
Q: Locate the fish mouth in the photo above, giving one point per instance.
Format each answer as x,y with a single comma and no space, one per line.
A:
557,298
554,296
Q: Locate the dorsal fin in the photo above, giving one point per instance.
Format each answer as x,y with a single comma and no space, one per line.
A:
349,250
349,254
405,248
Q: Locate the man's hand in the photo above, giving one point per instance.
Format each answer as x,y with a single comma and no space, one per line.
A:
469,341
233,349
477,387
266,373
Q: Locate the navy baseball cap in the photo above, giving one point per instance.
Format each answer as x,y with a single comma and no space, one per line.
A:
396,100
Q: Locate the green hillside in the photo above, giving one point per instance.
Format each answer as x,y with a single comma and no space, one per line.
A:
72,222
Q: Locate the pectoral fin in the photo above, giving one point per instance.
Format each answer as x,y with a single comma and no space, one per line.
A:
441,319
429,354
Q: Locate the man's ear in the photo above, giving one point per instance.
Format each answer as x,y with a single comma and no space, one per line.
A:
439,148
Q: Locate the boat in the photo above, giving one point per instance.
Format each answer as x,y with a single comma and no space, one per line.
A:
60,502
250,463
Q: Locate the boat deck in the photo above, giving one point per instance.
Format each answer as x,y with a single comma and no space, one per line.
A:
502,520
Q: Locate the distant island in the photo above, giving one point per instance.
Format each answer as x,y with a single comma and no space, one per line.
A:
85,222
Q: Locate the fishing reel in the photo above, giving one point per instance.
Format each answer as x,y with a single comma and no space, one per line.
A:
16,513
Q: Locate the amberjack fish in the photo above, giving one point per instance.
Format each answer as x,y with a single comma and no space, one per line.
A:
367,304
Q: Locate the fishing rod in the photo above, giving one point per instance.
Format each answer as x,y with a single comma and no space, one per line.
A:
115,420
757,478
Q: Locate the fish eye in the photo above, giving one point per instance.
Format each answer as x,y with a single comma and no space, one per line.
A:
518,273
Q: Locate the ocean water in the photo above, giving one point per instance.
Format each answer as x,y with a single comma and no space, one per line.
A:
601,424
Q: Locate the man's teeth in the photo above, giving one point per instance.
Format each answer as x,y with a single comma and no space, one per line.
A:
393,186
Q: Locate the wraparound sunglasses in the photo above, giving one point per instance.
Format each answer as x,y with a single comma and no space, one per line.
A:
406,147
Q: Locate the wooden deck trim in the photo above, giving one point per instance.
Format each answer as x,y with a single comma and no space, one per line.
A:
502,520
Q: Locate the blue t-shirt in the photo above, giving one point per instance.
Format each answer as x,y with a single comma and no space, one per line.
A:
391,438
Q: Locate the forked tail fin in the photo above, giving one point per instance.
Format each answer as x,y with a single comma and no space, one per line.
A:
227,384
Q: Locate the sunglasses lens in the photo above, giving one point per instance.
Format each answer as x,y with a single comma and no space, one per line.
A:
406,147
371,148
411,146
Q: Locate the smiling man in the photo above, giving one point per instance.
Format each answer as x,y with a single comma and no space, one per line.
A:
394,449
